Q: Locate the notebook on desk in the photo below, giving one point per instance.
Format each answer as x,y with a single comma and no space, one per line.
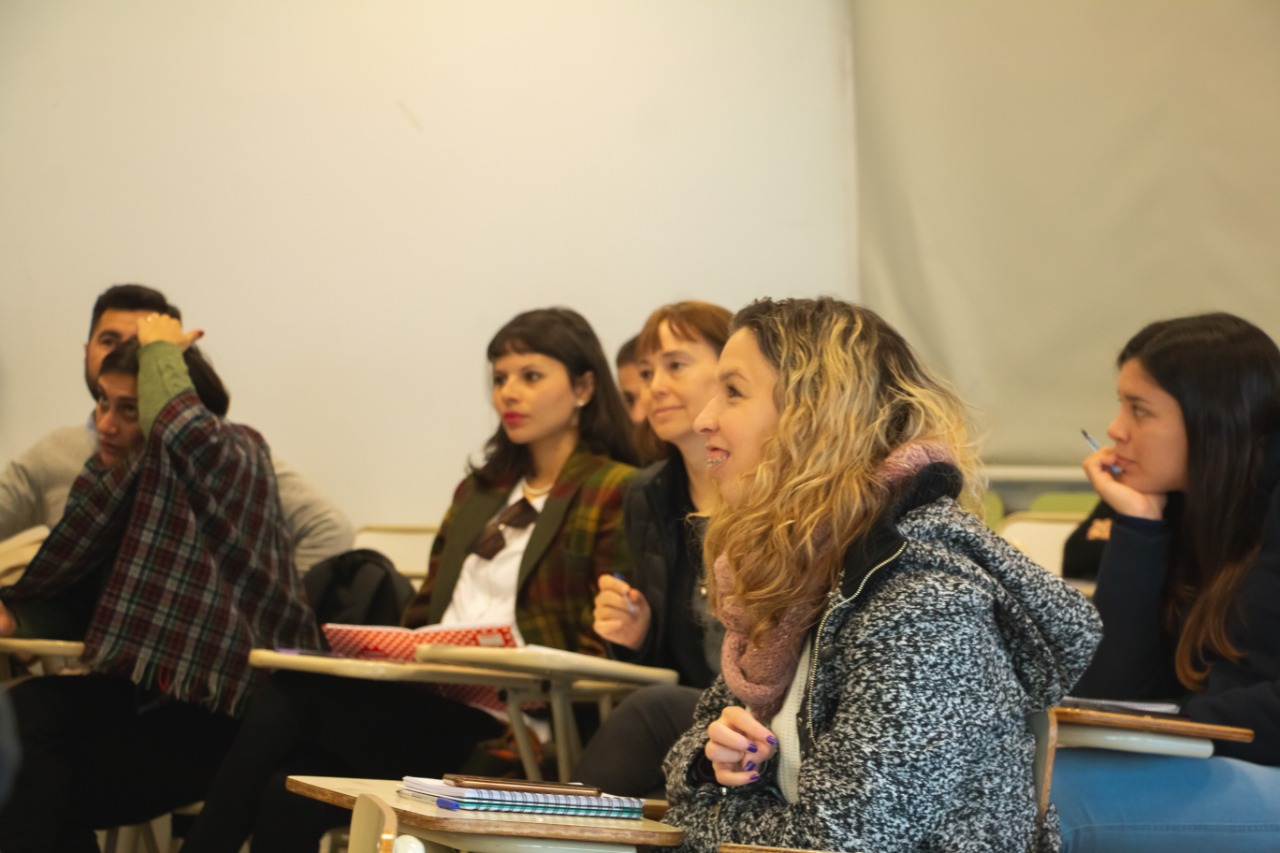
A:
454,797
1121,706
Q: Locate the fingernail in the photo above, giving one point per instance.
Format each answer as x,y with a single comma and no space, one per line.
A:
751,747
755,777
750,765
773,741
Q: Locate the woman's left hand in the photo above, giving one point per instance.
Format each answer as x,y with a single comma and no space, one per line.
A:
162,327
737,746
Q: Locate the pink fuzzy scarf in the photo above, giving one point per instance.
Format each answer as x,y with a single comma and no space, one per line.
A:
760,674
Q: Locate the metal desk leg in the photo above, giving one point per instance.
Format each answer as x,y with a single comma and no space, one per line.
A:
524,743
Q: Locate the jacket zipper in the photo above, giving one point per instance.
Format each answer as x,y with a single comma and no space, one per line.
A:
817,643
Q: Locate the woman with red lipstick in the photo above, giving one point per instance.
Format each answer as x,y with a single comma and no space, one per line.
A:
1188,588
883,647
659,616
529,533
175,523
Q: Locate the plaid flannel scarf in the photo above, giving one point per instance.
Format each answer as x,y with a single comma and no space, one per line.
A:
200,567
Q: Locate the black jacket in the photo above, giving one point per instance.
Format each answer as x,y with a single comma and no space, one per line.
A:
1135,660
666,556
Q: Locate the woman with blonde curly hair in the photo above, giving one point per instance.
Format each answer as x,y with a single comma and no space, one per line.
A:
883,647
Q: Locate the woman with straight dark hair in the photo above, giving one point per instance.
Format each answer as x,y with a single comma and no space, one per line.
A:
528,534
1188,589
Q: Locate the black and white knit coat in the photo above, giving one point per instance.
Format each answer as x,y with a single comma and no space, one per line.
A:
941,641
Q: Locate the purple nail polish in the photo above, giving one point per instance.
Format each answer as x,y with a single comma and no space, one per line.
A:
750,765
751,747
755,777
773,741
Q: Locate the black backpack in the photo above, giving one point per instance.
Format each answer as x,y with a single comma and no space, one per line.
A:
360,587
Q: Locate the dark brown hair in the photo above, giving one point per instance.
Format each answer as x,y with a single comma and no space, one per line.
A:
1225,374
603,425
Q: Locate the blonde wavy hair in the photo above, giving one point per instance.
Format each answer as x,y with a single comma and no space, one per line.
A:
849,391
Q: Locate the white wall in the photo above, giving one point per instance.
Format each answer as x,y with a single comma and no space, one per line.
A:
351,197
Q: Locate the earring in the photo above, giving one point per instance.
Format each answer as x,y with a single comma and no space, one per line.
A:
581,403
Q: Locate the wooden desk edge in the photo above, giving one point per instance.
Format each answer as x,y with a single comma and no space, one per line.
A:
38,646
1158,725
644,831
386,670
548,664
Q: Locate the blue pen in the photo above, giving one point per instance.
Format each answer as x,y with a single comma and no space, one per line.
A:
1115,470
446,803
631,607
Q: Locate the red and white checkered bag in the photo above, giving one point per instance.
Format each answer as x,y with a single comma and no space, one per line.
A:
390,643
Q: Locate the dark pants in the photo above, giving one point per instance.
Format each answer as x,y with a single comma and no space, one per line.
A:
301,724
97,753
625,756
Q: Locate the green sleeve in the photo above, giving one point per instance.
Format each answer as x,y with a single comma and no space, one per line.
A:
162,375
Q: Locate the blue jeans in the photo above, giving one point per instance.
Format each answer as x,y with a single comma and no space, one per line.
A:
1132,802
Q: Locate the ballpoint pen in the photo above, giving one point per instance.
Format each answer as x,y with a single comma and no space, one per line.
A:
1115,470
631,605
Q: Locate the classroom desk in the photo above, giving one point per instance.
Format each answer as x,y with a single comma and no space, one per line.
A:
567,675
1136,732
492,832
53,654
532,684
1086,727
519,688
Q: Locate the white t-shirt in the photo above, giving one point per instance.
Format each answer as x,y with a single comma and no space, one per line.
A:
784,727
486,589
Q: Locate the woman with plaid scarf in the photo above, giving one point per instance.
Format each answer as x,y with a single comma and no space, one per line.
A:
171,562
527,536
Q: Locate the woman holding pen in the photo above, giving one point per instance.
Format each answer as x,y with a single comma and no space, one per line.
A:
528,534
659,615
883,647
1188,589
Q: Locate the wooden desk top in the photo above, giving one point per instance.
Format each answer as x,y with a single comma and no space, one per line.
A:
1156,724
392,670
551,663
59,648
426,816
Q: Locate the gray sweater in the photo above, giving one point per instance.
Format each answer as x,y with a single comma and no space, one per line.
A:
34,488
914,724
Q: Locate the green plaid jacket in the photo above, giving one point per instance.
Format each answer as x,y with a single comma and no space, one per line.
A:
578,536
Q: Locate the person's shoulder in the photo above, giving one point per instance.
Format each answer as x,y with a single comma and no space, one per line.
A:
646,476
595,471
65,447
67,439
945,558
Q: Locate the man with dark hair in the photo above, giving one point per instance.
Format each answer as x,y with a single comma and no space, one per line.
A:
34,486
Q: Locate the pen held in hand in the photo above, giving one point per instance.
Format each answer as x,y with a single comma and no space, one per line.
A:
1115,470
631,605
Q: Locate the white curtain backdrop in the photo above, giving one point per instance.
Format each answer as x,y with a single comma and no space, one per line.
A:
351,197
1039,180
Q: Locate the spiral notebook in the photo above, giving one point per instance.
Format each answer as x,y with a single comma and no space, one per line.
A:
492,800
